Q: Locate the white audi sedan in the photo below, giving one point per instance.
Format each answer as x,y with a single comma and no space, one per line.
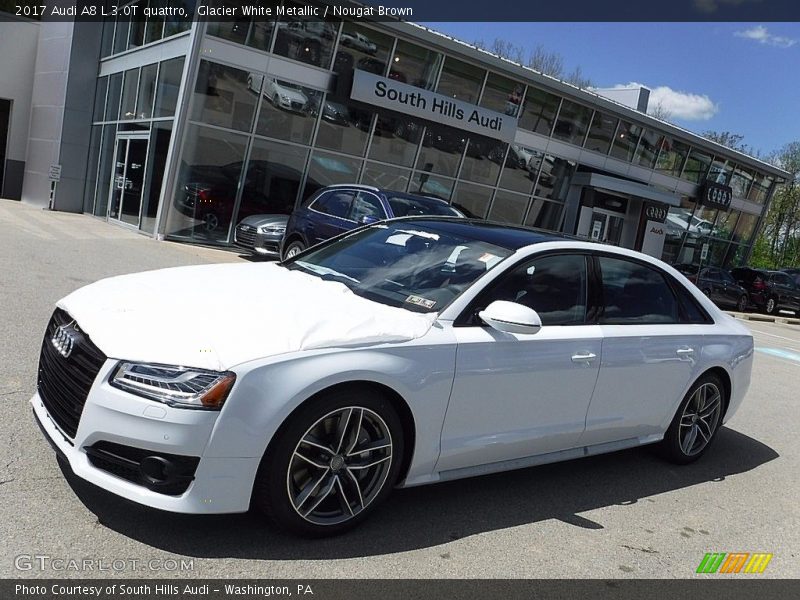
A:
407,352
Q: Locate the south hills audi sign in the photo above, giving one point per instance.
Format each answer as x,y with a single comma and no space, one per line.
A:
393,95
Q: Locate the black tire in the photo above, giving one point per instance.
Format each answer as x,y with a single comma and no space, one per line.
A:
741,305
771,307
293,248
278,472
673,446
211,221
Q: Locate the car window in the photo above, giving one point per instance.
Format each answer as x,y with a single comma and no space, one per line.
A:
553,286
710,274
691,311
335,203
635,294
782,279
725,276
406,206
366,205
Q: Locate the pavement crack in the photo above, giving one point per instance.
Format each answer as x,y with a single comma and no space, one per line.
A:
640,549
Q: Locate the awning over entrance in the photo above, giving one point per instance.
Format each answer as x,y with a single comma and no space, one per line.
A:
624,186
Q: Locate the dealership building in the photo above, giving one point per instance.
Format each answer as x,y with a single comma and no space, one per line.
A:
179,129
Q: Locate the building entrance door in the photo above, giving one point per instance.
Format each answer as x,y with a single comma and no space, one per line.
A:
605,227
128,179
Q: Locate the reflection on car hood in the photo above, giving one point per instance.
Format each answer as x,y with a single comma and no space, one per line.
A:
218,316
258,220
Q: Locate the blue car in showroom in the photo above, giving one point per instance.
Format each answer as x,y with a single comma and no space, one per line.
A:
338,208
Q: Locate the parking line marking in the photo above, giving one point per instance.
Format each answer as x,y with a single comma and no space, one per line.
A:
780,353
780,337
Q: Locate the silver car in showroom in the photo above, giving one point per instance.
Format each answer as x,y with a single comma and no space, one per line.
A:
261,234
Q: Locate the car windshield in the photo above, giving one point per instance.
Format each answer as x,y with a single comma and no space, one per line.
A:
407,206
403,264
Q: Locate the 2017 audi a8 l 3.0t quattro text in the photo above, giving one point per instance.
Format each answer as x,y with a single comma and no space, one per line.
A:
406,352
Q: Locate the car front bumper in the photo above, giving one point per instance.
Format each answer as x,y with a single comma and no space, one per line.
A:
219,485
263,244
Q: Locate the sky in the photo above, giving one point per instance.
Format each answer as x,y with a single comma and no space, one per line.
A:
737,77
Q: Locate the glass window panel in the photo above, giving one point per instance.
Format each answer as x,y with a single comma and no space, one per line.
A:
259,35
429,185
327,169
107,44
483,159
521,168
735,256
121,35
169,84
741,181
386,177
647,152
366,207
112,100
363,48
147,90
106,165
344,126
129,89
544,215
160,136
138,22
305,39
697,165
222,97
155,24
720,171
415,65
572,123
272,179
676,227
726,221
211,167
539,111
601,132
502,95
396,139
745,227
671,157
288,110
100,98
760,188
508,207
176,24
91,168
554,178
234,30
461,80
472,200
635,294
441,150
625,141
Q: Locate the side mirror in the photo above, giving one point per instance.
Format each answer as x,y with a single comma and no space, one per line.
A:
511,317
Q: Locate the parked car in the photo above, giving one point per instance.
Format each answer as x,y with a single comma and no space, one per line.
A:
770,291
339,208
407,352
794,273
357,41
717,284
261,234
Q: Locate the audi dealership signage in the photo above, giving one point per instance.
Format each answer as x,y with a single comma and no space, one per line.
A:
656,212
716,195
401,97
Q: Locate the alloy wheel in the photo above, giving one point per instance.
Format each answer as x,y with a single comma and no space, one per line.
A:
771,306
742,306
700,419
339,466
293,251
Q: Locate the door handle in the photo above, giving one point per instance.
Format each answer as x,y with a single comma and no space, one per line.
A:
684,351
585,357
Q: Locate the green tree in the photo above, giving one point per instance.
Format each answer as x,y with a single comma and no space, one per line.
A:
779,240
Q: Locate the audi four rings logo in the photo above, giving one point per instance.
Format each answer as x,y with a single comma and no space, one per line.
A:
656,213
63,341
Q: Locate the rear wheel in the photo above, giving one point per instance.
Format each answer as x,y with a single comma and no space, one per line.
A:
293,249
741,305
697,421
770,306
332,463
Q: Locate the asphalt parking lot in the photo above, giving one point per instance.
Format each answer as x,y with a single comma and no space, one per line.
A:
621,515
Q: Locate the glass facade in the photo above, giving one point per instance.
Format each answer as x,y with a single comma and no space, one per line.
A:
255,142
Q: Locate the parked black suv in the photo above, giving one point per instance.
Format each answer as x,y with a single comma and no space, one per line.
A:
717,284
342,207
770,291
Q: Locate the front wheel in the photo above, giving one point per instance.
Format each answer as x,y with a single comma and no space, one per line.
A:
697,421
334,461
770,306
293,249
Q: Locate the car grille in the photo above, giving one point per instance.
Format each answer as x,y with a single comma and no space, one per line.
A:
297,105
64,383
245,236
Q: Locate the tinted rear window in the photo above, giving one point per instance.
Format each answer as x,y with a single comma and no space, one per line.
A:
407,206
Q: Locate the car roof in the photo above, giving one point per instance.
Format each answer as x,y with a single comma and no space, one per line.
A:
511,237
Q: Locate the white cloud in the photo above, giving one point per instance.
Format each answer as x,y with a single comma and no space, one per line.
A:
761,34
679,105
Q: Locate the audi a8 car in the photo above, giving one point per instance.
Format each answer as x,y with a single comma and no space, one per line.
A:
406,352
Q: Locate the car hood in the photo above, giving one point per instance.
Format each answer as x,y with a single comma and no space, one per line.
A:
258,220
218,316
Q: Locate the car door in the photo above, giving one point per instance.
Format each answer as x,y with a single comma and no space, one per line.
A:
786,291
518,395
330,215
730,289
648,353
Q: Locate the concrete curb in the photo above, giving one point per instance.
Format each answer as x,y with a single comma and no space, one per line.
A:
765,318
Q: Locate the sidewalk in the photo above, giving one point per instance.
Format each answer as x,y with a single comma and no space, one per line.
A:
785,319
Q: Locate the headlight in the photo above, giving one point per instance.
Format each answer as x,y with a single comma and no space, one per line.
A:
272,229
284,97
177,386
